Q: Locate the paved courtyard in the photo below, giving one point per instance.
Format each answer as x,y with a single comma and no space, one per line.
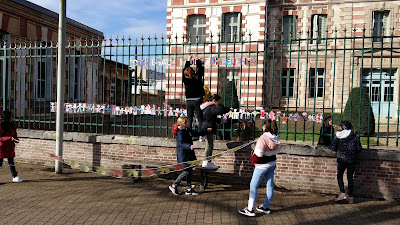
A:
87,198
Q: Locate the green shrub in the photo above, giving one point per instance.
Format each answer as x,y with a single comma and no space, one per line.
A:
229,95
355,109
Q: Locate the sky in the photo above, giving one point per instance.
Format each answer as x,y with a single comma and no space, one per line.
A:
116,17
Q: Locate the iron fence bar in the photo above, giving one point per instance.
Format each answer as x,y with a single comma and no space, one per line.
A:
361,78
324,85
287,85
333,83
280,78
352,77
370,82
344,65
307,81
297,85
380,87
390,86
273,72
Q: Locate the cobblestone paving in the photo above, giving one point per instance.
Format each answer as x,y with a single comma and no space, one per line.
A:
86,198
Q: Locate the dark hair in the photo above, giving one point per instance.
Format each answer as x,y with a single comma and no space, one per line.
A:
271,126
326,119
346,125
214,97
5,121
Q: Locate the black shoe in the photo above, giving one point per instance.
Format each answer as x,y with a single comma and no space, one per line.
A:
264,210
174,190
247,212
191,192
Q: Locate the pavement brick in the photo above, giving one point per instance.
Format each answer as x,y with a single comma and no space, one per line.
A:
75,197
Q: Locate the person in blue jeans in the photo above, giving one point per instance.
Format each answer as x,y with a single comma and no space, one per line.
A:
264,159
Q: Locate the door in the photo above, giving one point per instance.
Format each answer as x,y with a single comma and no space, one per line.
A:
380,84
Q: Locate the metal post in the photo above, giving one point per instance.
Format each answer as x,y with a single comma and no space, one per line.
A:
60,84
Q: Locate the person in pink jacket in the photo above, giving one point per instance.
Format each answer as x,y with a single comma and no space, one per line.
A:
264,159
8,138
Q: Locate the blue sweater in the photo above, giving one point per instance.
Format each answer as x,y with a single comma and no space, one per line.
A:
183,143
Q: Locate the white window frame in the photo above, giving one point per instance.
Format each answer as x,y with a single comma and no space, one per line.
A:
289,29
76,76
288,74
319,28
316,74
7,37
46,59
195,25
382,29
227,23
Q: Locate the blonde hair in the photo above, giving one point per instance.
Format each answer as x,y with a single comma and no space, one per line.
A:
181,121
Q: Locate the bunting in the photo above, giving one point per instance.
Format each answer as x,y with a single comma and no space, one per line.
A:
154,110
135,172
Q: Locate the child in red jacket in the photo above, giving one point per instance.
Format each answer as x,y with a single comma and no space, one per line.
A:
8,138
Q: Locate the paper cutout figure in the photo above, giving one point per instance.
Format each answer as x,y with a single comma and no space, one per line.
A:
100,170
148,172
133,173
117,173
165,111
52,107
262,116
170,113
54,156
295,116
178,167
271,115
304,116
84,167
163,170
38,150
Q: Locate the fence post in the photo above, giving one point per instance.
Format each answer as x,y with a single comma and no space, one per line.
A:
60,85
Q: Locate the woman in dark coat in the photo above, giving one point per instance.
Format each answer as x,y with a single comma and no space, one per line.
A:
326,132
8,138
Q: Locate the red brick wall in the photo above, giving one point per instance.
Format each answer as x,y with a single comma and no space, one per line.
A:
373,178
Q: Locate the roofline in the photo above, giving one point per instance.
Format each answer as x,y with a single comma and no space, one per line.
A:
54,15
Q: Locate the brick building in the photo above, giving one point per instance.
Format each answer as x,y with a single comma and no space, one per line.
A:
316,75
30,34
213,30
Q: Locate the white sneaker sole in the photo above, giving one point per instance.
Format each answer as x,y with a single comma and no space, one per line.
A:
247,214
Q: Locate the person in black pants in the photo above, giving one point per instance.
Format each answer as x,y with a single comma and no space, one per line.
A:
347,145
194,90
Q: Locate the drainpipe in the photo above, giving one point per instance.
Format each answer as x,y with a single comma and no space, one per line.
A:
60,84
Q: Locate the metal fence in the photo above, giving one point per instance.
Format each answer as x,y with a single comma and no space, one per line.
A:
134,87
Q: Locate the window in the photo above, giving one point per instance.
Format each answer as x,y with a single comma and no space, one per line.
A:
197,28
316,83
318,27
287,82
4,40
289,24
43,72
231,27
76,75
380,25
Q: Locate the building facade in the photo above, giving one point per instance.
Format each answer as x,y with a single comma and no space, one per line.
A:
227,36
332,46
328,47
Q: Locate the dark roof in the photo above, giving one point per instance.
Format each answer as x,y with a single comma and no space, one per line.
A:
54,15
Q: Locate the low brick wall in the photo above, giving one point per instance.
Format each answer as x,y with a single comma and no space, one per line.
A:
299,167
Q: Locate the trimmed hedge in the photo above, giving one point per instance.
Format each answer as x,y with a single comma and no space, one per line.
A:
229,96
355,109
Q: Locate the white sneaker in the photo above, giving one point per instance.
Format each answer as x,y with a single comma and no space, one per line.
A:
17,179
211,166
202,139
5,160
204,164
342,196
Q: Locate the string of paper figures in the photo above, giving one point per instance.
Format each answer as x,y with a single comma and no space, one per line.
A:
142,172
158,111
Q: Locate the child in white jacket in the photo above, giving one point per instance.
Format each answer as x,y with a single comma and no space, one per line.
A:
264,159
